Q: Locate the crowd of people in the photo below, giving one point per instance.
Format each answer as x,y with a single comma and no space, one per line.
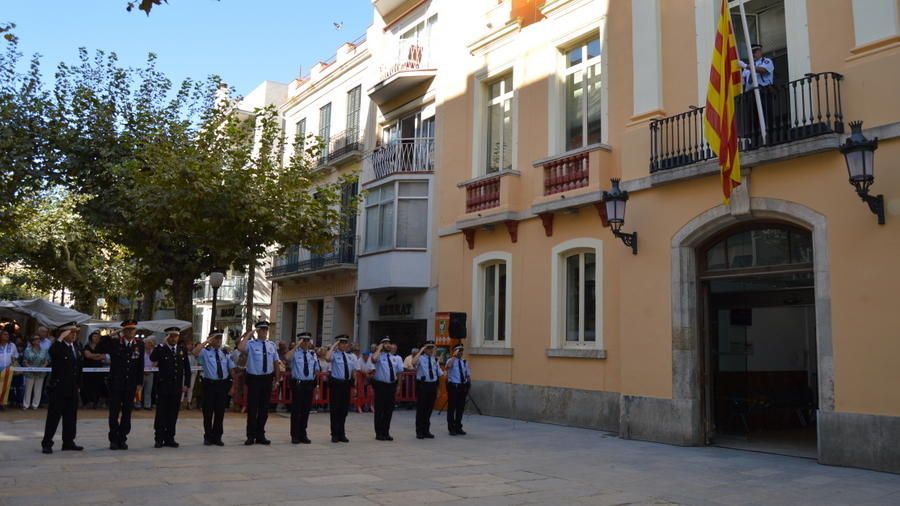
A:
124,370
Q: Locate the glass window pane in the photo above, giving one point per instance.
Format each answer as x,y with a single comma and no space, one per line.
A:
501,302
412,223
496,89
593,104
772,246
490,273
373,196
573,57
801,248
494,148
590,297
507,84
715,257
574,114
387,193
373,220
573,297
506,153
593,48
740,250
387,226
414,189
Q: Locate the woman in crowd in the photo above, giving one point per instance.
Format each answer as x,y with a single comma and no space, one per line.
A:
9,358
93,383
35,356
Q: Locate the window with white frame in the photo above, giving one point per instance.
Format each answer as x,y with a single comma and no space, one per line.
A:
325,126
397,216
491,298
499,125
300,135
582,94
576,302
354,103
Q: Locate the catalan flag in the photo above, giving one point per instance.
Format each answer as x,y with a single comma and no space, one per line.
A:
719,122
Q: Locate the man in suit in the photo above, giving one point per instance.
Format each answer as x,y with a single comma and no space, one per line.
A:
172,381
65,363
126,372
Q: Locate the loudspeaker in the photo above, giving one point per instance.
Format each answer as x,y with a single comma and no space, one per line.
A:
457,325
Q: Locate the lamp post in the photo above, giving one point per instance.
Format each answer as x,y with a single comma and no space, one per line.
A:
615,201
100,303
215,281
859,153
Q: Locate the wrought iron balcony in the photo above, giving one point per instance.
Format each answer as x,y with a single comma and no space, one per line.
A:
407,155
341,147
797,110
298,261
406,65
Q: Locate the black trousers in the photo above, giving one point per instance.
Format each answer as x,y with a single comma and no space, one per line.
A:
385,394
339,405
215,400
301,403
456,404
259,391
426,393
121,402
167,406
65,407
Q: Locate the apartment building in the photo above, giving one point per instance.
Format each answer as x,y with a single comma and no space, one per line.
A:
766,323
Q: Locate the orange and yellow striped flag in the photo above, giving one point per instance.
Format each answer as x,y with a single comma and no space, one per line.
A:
719,122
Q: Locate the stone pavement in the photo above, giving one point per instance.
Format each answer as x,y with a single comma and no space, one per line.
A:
500,462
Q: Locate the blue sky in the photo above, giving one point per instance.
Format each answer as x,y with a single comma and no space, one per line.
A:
244,41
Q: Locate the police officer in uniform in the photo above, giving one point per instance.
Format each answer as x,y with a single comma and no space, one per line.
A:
217,366
172,380
126,372
262,357
343,363
458,383
304,370
388,367
428,372
65,364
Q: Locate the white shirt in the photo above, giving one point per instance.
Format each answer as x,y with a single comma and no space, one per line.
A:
8,354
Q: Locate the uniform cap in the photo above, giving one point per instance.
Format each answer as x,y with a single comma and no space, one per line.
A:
305,336
460,347
342,338
129,324
385,340
215,333
68,326
754,47
172,330
262,324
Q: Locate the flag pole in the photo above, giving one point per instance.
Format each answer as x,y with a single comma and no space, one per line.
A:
759,107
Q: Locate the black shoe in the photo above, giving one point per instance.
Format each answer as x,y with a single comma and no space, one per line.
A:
388,437
263,441
207,442
335,440
305,440
453,432
429,436
249,442
460,432
295,441
172,444
72,448
420,436
46,450
158,444
219,443
114,446
379,437
343,439
123,446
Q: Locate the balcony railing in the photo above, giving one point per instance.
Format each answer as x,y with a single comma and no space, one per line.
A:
400,156
300,260
234,290
340,144
801,109
566,174
483,194
409,55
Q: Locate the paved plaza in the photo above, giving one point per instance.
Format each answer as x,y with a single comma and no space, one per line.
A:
500,462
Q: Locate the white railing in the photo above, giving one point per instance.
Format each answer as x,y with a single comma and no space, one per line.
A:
409,54
400,156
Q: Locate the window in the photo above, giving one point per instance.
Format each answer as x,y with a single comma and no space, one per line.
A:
300,135
491,299
499,125
325,126
576,302
582,100
397,216
353,107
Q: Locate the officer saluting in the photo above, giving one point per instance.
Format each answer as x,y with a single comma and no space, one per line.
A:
458,383
172,380
65,364
262,355
342,366
217,366
126,372
428,371
304,369
387,369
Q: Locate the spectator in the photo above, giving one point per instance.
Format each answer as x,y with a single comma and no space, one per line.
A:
147,386
365,364
93,383
408,361
9,356
237,389
189,395
35,356
324,365
46,338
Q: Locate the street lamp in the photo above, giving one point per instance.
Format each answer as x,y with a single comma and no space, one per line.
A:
859,153
100,303
615,201
215,281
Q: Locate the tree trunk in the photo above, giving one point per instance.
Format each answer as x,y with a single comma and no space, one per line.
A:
251,288
149,302
183,293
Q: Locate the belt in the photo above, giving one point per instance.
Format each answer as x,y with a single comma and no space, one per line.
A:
332,378
260,375
386,382
303,381
209,380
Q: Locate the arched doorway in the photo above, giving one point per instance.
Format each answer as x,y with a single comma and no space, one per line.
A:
758,315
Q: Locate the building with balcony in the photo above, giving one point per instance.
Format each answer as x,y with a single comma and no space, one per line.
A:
766,323
232,308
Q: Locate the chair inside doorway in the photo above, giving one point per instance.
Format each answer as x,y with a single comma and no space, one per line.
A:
761,361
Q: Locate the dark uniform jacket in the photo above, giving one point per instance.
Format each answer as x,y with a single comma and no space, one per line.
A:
65,369
174,368
126,362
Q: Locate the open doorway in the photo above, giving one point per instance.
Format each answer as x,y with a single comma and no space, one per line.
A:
761,365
